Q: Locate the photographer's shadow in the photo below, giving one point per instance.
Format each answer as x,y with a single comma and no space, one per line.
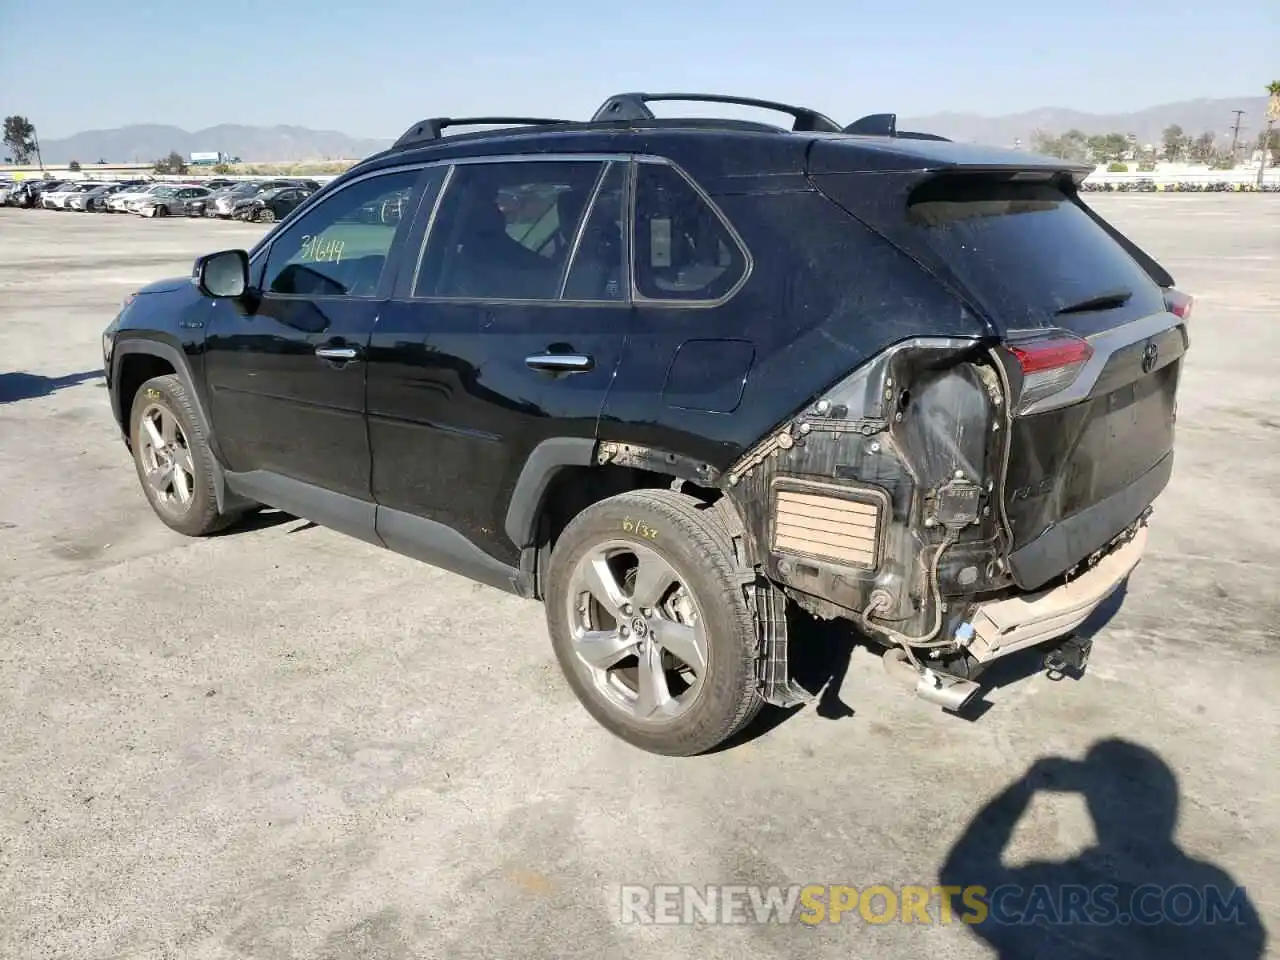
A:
1134,895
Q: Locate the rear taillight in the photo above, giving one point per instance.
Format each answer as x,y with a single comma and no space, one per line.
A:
1048,364
1178,303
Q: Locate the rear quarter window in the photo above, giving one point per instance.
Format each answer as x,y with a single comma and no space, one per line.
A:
1028,251
683,248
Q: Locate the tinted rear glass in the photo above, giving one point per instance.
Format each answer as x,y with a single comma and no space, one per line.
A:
1027,251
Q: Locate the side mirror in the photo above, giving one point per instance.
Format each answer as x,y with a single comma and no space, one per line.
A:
222,275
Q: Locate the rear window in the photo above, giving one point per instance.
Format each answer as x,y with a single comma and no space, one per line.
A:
1028,251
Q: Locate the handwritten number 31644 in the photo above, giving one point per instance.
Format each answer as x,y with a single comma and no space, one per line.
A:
320,250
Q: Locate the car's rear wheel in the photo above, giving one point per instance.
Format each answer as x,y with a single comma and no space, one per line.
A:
173,459
650,624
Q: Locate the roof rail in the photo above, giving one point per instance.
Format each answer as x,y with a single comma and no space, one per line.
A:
886,125
635,106
424,131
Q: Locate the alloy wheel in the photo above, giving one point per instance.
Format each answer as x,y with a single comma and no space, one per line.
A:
636,628
166,459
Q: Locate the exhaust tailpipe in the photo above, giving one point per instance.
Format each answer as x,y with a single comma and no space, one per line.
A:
948,692
943,689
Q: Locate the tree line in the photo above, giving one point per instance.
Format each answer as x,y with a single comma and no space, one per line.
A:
1175,145
1114,149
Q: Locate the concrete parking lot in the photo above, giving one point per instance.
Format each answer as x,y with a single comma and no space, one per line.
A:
280,743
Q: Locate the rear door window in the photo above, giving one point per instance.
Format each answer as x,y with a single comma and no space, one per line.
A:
1028,252
504,231
598,270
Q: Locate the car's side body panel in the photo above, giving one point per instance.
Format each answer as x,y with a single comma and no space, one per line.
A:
812,310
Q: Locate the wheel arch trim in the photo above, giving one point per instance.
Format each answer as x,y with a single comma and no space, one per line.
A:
546,460
176,358
553,454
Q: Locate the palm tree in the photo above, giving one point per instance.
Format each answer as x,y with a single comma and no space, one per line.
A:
1273,114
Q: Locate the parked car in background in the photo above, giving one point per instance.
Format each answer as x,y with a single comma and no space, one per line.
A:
224,203
19,194
95,199
119,202
80,199
28,192
270,205
171,201
57,199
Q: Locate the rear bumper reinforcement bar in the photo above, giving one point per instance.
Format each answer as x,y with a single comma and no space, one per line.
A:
1002,627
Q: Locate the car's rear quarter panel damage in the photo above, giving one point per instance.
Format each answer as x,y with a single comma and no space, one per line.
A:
916,435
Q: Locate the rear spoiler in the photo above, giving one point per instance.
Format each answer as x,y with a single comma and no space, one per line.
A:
886,125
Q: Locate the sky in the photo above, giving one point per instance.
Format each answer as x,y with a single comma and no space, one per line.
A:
371,70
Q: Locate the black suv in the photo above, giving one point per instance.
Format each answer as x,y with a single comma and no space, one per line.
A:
670,375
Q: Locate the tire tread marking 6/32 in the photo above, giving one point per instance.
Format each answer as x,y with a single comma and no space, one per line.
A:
639,528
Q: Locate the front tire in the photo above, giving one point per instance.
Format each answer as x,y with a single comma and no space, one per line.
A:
172,456
650,624
266,215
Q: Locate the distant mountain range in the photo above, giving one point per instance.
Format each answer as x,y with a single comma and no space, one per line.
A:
144,142
1193,116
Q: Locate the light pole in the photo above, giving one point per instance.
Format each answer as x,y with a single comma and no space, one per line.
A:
1235,134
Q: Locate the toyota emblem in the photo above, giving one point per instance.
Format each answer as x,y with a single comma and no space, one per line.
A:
1150,355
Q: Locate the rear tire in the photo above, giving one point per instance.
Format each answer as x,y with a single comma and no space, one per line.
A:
647,691
174,463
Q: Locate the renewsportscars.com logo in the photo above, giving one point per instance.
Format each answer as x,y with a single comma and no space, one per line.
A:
813,904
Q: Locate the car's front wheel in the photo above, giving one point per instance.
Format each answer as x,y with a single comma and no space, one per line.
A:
650,624
173,459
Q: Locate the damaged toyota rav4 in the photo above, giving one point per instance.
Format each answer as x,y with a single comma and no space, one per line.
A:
672,376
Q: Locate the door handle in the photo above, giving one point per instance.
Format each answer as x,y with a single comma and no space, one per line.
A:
337,354
561,362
